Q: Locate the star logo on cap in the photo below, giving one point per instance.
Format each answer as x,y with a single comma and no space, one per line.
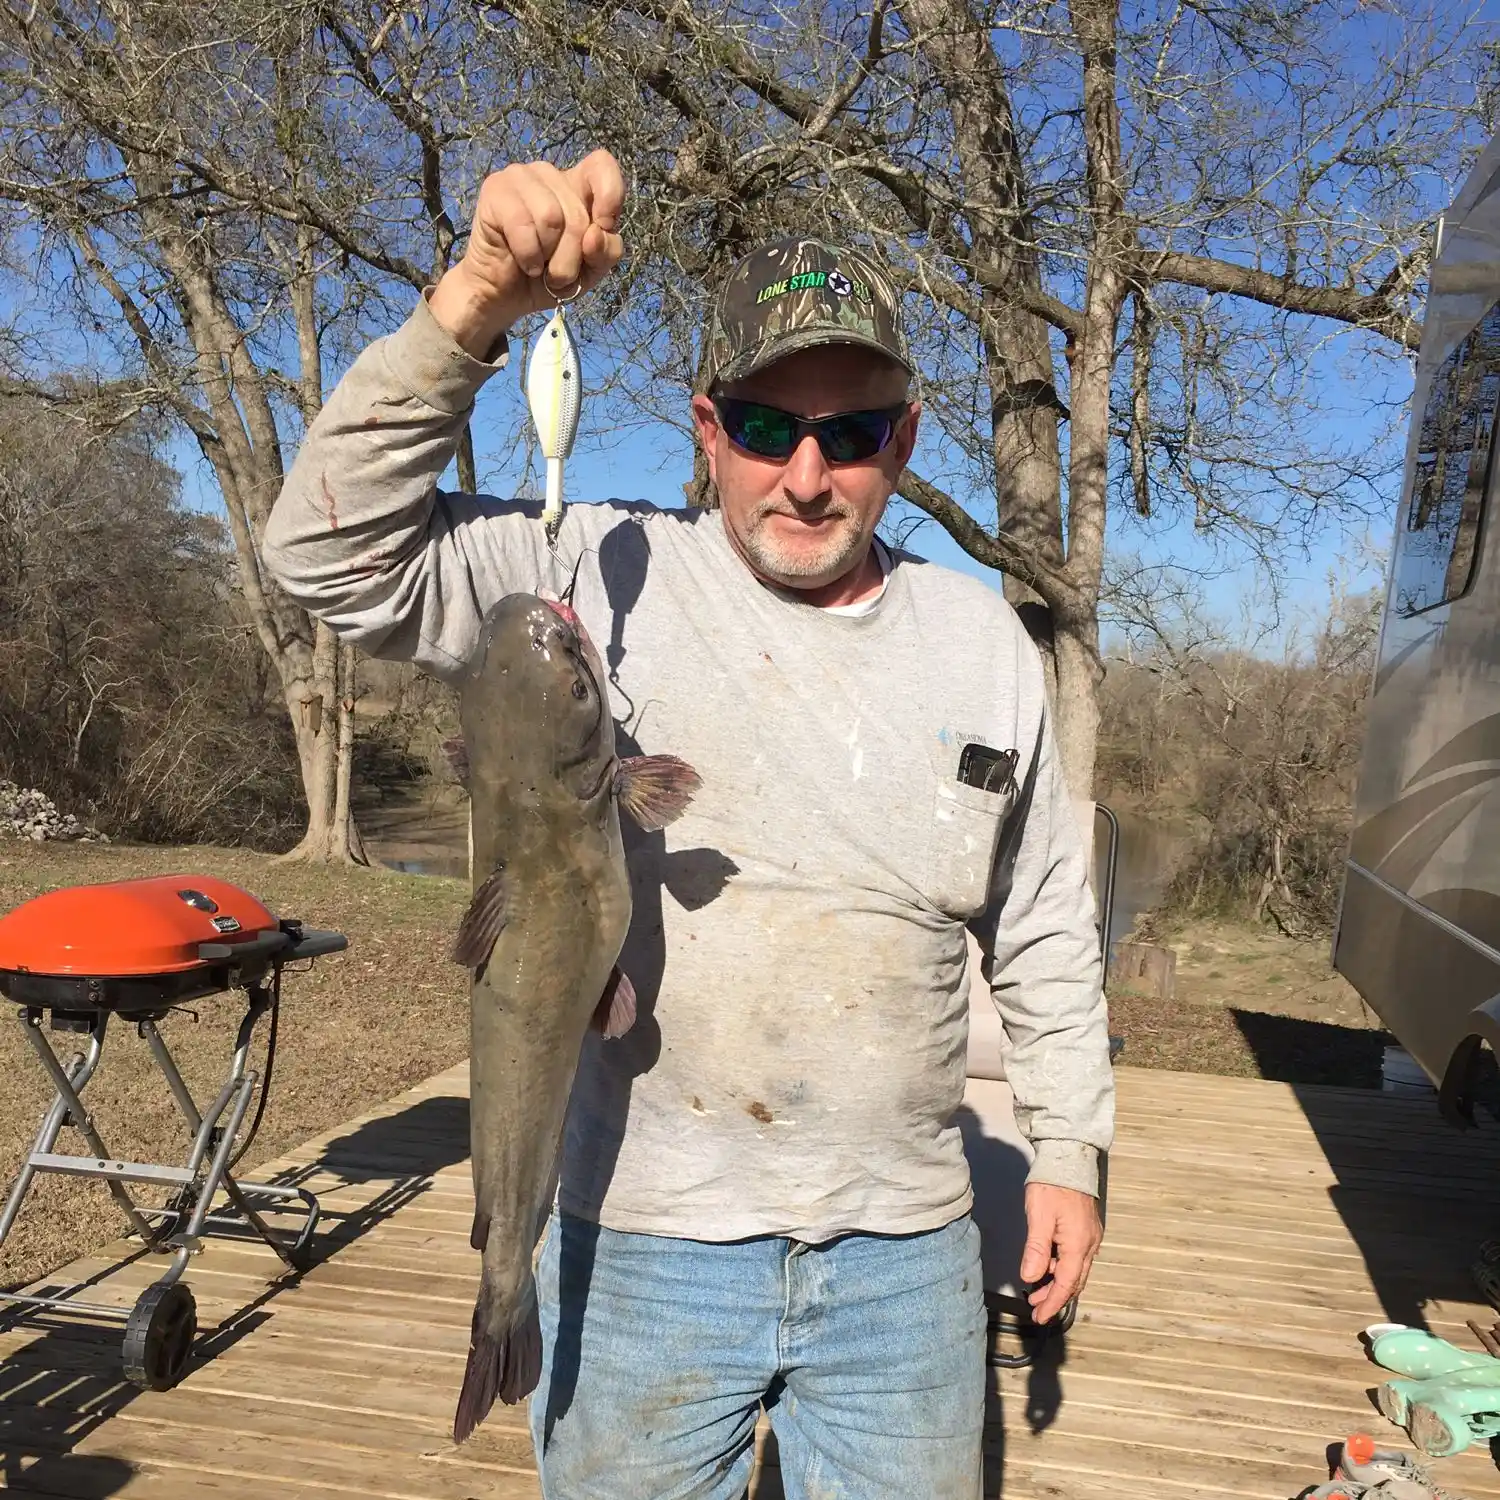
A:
839,284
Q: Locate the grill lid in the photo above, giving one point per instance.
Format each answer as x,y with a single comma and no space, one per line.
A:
131,928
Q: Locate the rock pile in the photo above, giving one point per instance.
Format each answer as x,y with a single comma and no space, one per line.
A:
26,813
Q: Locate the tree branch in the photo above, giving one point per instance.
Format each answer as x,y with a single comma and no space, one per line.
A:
1003,552
1372,310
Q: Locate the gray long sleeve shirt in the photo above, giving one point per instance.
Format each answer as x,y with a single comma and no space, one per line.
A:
798,942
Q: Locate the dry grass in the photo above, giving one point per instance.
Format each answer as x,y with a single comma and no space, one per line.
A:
363,1025
1251,1003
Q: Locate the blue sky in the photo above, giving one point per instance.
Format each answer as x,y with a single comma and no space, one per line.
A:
653,464
1356,400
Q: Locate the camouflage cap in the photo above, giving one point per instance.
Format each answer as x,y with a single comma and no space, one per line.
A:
795,293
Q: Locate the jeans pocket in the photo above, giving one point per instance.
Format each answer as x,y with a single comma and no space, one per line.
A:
962,839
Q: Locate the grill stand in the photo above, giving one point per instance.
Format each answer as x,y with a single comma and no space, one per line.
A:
160,1328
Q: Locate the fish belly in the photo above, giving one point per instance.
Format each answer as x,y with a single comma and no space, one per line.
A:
529,1013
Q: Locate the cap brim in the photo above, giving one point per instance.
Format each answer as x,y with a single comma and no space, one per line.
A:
779,346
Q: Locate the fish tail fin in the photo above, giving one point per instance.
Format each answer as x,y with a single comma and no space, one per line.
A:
503,1366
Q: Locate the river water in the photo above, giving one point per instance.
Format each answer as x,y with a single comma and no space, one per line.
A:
1148,856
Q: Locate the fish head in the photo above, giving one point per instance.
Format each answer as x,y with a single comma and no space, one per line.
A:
537,695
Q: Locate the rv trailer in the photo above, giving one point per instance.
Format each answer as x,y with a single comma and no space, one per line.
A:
1418,933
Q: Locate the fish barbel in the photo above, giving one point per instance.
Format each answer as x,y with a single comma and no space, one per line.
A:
554,389
549,915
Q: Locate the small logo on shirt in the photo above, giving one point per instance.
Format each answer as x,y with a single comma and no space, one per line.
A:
960,737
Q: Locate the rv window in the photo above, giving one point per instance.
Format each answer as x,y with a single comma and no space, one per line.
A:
1437,552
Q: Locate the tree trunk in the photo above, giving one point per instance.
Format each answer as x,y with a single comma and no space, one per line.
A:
1079,669
324,729
1076,719
322,703
468,475
343,816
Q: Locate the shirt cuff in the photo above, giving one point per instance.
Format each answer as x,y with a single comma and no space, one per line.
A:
434,367
1066,1164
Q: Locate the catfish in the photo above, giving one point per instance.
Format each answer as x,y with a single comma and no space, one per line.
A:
542,935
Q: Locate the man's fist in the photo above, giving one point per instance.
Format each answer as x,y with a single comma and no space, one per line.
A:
539,233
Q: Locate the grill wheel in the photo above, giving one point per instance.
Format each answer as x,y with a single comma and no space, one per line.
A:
159,1336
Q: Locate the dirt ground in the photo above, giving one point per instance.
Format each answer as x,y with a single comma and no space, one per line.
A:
1251,1002
363,1025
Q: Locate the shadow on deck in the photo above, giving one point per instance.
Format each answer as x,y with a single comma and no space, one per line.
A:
1417,1195
61,1383
1254,1228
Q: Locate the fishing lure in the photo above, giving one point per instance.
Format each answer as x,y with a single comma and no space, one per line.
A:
554,388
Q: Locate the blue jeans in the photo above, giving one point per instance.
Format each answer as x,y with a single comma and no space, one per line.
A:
868,1352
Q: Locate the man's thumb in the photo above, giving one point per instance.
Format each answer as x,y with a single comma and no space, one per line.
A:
1035,1259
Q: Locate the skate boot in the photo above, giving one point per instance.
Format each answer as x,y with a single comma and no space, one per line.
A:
1384,1468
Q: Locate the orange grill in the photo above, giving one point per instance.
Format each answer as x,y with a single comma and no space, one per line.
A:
130,928
75,958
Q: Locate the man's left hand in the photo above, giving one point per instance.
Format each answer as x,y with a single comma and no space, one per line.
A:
1062,1237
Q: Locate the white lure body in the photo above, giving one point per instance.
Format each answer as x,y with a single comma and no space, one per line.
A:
554,388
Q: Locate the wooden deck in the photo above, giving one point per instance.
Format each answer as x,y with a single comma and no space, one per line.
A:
1254,1230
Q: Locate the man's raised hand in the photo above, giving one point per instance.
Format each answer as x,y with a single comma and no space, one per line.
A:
539,233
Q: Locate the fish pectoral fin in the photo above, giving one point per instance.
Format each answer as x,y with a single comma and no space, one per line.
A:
483,922
615,1013
655,789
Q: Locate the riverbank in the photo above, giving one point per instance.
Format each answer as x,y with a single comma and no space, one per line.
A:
1253,1003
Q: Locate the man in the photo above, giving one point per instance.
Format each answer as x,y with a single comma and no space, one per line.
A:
763,1197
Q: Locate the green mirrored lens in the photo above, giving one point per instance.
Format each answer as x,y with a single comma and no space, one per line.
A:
763,429
770,432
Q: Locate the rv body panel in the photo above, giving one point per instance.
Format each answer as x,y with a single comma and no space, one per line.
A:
1419,923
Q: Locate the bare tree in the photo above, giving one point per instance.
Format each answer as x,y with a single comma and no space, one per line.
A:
1259,740
1127,231
128,688
222,199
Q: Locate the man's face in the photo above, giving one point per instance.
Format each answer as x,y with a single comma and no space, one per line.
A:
802,522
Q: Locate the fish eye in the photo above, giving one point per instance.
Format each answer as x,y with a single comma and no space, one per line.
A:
580,688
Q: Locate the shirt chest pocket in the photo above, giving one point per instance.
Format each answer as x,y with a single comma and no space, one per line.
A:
963,837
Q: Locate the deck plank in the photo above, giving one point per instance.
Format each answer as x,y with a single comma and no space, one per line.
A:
1254,1229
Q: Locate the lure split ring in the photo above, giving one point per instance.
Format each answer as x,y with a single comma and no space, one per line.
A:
558,297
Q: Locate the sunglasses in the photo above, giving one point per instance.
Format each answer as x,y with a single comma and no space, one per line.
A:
849,437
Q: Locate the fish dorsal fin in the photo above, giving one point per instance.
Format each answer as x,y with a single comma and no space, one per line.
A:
655,789
482,923
615,1013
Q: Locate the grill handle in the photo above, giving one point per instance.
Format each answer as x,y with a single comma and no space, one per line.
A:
262,946
312,942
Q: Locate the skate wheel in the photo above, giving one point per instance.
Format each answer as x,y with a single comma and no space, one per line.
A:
159,1336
